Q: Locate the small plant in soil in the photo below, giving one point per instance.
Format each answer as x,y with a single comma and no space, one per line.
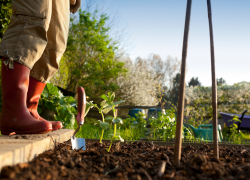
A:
103,109
115,120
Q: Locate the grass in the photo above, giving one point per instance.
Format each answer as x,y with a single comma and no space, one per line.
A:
91,131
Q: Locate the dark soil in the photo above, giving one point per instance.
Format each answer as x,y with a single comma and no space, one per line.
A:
133,161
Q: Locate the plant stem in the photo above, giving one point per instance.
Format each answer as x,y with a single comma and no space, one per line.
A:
103,129
114,131
101,136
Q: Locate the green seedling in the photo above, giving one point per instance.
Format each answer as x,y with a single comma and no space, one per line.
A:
115,120
103,109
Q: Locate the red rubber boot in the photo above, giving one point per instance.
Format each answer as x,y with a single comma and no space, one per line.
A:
15,116
34,92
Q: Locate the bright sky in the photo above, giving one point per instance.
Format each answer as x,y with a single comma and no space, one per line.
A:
157,26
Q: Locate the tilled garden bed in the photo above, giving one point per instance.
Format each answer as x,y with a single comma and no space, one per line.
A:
133,161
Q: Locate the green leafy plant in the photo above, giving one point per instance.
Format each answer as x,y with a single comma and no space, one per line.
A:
115,120
103,109
63,107
236,136
164,125
139,123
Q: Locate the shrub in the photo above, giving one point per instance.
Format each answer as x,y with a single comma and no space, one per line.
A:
230,98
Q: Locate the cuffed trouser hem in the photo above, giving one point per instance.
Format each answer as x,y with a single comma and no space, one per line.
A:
19,61
38,29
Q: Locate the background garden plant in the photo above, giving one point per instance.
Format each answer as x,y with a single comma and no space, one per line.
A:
64,107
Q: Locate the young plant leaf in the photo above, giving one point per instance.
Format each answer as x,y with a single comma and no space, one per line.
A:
110,94
118,102
104,125
53,90
115,103
103,103
106,110
109,118
104,97
117,120
70,99
112,97
39,110
45,93
89,105
60,94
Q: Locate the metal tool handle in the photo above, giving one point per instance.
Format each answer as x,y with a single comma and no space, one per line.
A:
81,106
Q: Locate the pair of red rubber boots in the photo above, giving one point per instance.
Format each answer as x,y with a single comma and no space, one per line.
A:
20,97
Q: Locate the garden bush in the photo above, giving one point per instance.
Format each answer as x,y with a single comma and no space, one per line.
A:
231,99
63,106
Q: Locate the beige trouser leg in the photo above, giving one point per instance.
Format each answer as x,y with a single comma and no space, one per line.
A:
37,35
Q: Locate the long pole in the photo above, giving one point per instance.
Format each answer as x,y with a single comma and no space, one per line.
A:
214,84
181,98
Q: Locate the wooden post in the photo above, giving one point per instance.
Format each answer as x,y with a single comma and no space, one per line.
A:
181,98
214,83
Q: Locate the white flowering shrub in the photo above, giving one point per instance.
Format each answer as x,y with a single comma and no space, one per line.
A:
137,87
230,99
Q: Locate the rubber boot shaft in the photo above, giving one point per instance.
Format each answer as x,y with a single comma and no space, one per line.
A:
34,93
15,116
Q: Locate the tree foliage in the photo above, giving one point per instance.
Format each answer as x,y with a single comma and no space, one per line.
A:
194,82
230,98
221,82
163,72
5,14
138,86
90,59
174,92
162,69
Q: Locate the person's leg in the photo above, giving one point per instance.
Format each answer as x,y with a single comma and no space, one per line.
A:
48,64
57,36
25,39
15,116
24,42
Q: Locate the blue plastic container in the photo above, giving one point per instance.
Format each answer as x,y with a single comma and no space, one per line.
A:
132,112
153,112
